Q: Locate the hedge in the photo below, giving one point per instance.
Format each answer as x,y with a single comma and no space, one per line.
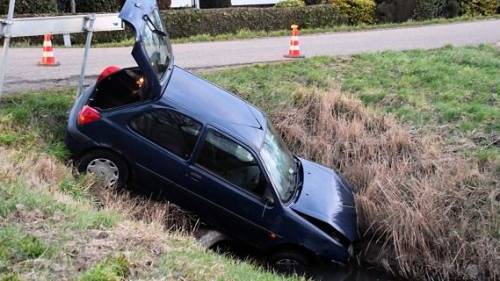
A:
478,7
184,23
358,11
84,6
290,3
30,7
402,10
395,10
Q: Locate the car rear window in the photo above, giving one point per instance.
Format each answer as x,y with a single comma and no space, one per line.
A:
169,129
232,162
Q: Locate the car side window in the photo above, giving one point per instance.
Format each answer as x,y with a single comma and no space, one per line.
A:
174,131
232,162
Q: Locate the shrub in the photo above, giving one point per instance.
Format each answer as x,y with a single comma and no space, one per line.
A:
395,10
403,10
428,9
317,2
215,3
164,4
184,23
64,6
83,6
478,7
290,3
30,6
358,11
451,10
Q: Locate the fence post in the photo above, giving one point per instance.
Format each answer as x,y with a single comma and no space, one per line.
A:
6,42
89,29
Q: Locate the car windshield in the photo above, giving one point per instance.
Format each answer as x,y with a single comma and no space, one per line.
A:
279,164
155,42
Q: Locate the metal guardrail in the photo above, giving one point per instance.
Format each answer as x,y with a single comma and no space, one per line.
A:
24,27
37,26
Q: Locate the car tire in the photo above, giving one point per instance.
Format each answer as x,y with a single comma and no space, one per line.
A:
110,168
289,261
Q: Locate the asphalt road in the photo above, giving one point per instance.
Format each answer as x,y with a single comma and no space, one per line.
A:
24,74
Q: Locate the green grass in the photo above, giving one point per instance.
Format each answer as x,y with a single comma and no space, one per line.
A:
17,246
10,277
36,121
110,269
457,87
12,194
185,255
452,90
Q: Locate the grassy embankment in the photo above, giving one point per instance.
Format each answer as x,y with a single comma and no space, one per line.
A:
426,180
54,226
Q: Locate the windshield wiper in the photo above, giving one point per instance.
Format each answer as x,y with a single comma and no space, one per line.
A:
152,26
297,181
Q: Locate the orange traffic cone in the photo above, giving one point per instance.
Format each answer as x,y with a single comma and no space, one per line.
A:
294,50
48,58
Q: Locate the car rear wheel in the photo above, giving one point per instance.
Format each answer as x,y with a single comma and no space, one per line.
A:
109,169
289,261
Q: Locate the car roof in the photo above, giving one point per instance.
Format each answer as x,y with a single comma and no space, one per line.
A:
214,106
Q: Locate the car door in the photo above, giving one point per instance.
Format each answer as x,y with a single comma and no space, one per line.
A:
158,141
229,177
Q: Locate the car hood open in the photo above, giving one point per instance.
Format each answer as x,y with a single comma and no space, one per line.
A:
326,197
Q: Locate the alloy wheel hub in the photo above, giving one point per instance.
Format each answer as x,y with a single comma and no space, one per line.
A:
287,263
105,171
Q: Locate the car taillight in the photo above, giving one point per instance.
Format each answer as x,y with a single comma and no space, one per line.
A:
88,115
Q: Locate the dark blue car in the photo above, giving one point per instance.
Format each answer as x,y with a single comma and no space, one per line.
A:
166,131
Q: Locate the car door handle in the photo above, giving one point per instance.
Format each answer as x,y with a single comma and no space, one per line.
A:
194,176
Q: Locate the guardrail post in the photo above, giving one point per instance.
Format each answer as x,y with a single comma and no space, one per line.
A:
89,29
6,42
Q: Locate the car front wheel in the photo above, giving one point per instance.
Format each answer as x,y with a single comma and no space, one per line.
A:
108,168
289,261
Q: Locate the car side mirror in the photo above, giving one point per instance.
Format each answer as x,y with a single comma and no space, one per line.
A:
268,204
268,197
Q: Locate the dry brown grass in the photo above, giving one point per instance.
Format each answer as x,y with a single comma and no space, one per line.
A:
140,208
44,172
423,212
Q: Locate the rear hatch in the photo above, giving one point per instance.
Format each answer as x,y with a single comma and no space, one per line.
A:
152,49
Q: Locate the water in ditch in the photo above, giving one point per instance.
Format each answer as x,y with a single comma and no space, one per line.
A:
325,272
